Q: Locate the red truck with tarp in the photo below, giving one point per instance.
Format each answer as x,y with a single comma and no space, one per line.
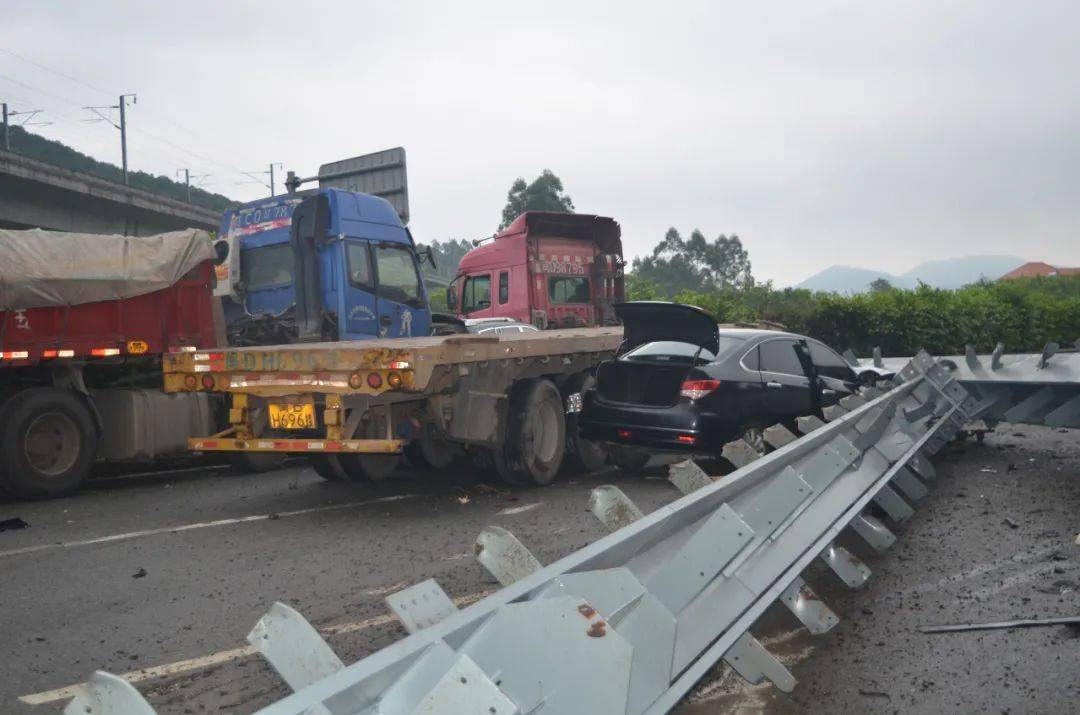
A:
553,270
84,322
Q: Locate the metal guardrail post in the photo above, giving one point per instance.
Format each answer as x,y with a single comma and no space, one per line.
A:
628,624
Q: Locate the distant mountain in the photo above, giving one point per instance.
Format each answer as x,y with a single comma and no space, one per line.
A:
957,272
945,273
849,279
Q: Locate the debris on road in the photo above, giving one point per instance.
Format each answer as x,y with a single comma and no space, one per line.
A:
13,524
1011,523
141,572
1073,621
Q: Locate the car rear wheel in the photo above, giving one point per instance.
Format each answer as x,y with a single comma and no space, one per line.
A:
535,439
48,443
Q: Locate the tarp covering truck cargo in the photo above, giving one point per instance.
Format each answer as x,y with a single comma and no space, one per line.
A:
49,268
84,321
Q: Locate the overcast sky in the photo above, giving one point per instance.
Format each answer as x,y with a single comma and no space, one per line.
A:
872,134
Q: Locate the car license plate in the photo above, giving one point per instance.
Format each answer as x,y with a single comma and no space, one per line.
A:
293,413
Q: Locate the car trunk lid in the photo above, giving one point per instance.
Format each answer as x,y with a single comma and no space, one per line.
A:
646,384
652,321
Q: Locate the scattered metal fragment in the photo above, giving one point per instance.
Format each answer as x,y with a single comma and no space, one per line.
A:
1073,621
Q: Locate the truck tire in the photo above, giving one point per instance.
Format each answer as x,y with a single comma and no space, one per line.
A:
48,443
327,466
584,454
429,452
257,462
535,439
369,467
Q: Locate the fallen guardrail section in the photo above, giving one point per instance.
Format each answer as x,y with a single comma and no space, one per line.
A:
631,622
1034,388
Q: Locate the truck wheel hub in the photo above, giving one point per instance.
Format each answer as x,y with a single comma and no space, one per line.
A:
51,445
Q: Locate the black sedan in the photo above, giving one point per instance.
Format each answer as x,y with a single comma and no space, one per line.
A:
680,382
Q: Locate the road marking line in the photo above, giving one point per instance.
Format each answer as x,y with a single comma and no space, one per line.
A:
518,509
201,525
222,656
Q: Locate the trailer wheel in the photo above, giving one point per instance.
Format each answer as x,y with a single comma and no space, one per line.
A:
586,455
430,452
535,440
369,467
327,466
257,462
48,443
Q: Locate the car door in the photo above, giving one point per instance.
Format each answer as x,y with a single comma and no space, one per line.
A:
403,310
837,378
788,390
361,307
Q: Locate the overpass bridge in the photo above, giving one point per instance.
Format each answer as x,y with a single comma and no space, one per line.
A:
34,194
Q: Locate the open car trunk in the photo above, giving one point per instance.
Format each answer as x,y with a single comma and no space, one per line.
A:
649,384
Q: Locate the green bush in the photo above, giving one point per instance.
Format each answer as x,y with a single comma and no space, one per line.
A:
1023,314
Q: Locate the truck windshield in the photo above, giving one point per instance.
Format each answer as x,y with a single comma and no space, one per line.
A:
398,279
568,289
267,267
477,293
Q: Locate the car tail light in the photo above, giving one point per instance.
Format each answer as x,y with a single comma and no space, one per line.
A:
624,434
696,389
687,439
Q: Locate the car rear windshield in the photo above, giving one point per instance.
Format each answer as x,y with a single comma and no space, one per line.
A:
670,351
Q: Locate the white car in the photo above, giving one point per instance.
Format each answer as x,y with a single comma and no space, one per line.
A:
497,326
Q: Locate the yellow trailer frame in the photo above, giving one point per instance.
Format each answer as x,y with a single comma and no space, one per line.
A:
382,372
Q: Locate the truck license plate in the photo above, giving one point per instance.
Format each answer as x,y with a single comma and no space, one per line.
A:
293,413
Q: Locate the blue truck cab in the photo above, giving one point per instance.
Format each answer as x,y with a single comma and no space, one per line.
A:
319,265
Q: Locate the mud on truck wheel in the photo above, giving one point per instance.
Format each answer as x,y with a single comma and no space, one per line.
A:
48,443
535,439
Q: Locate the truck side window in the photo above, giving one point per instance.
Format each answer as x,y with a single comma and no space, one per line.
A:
504,287
568,289
477,294
398,279
359,264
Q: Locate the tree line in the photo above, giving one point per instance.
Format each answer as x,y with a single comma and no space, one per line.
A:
716,275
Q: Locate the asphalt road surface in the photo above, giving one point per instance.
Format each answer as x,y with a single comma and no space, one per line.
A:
161,576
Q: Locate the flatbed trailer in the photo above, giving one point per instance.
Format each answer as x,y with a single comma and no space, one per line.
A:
355,406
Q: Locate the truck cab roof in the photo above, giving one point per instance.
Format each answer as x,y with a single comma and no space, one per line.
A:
510,243
267,221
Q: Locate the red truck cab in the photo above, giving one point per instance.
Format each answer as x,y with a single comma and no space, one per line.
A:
553,270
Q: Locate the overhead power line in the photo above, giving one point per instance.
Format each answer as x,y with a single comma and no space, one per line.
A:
106,92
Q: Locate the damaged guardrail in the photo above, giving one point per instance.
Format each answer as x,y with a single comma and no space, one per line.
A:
631,622
1033,388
